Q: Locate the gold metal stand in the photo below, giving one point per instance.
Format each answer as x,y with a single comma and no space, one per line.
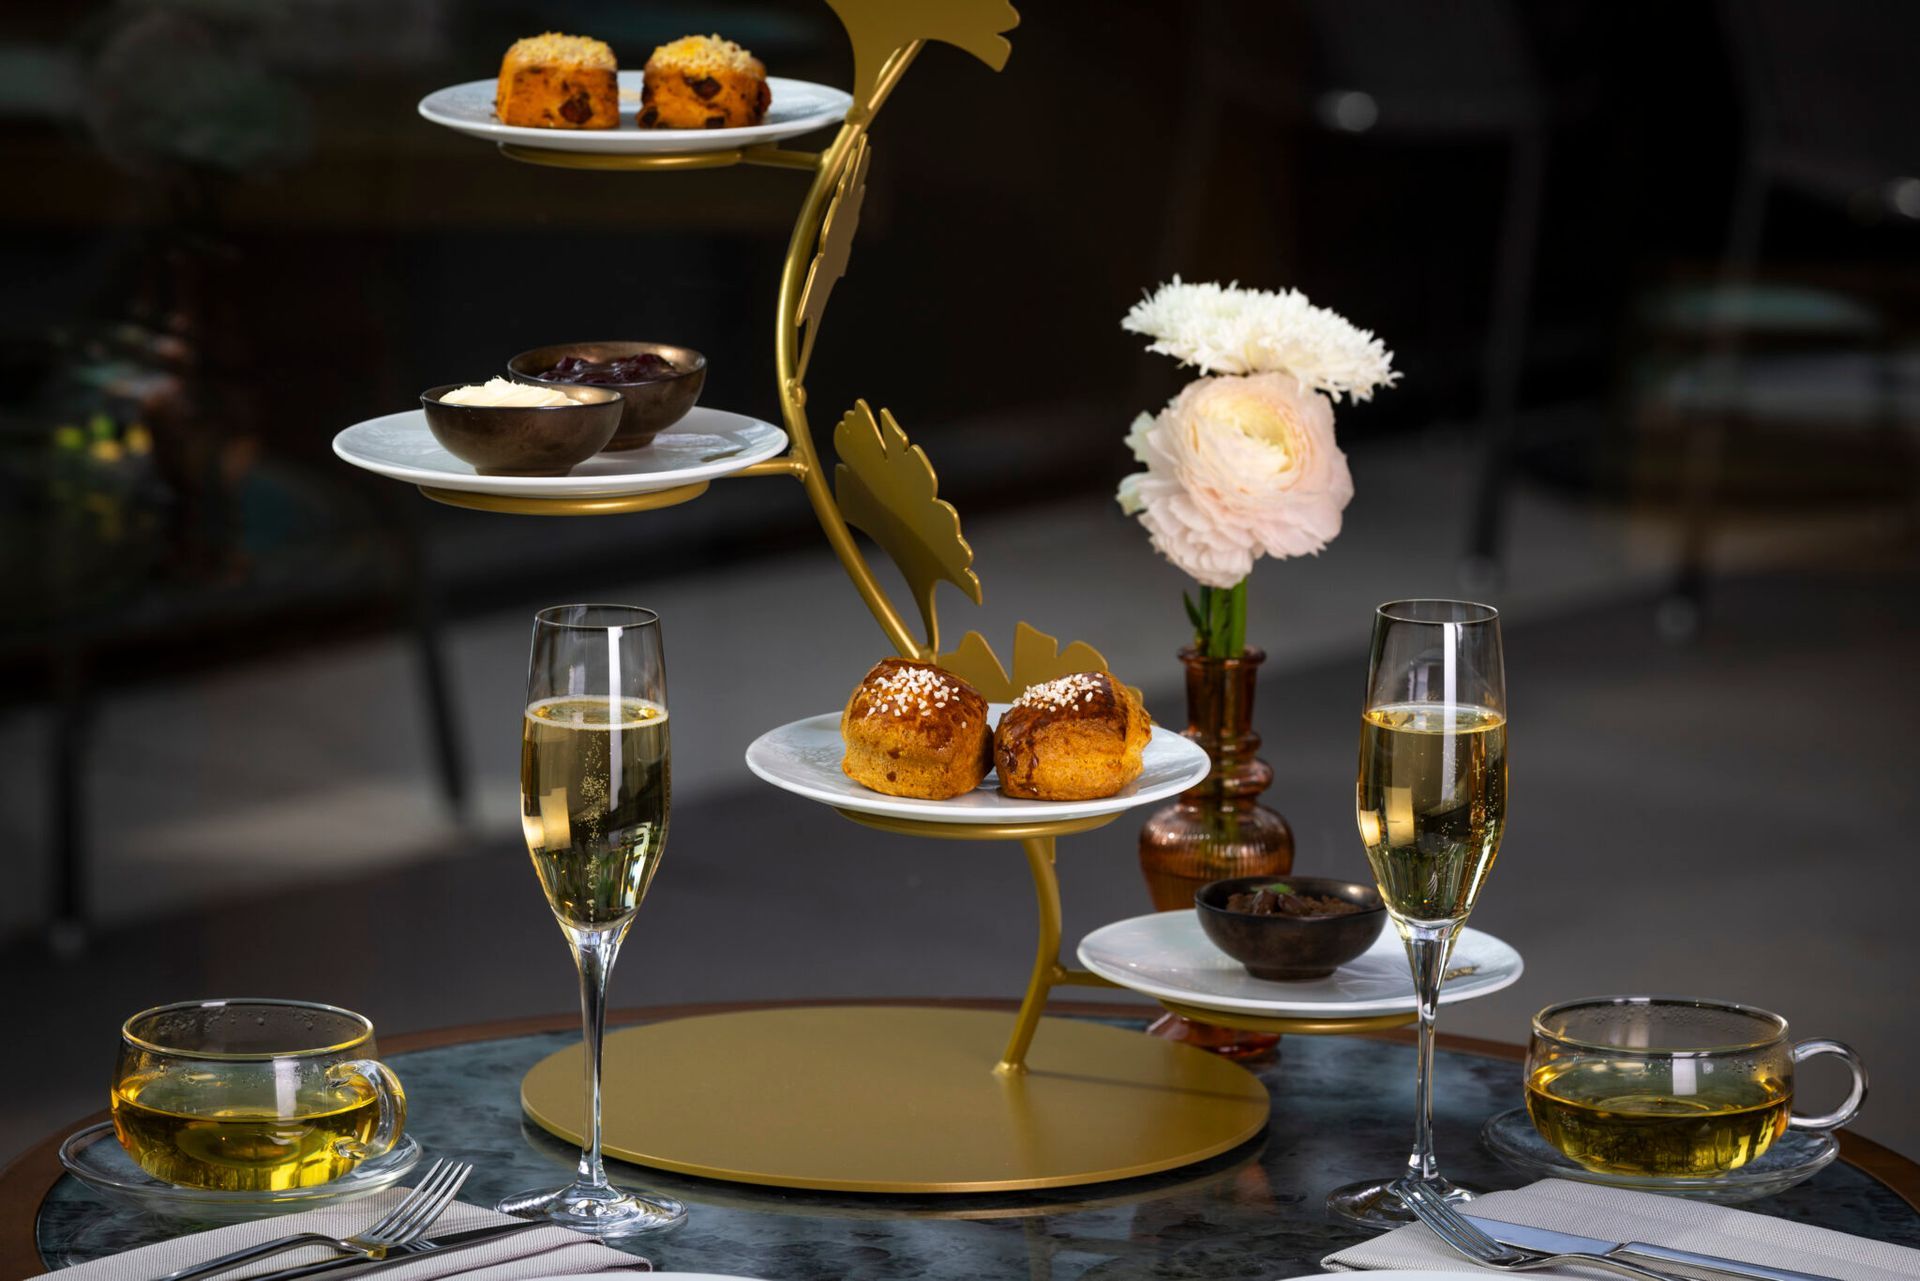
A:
871,1099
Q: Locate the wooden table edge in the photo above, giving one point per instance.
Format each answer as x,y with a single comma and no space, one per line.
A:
26,1180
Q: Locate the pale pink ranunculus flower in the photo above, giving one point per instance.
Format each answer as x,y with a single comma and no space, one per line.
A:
1238,467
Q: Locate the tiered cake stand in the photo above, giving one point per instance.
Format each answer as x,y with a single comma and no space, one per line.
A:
862,1098
866,1098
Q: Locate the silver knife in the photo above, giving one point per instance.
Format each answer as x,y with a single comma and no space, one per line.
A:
404,1253
1544,1239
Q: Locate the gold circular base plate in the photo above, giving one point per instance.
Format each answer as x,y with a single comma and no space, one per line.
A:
899,1099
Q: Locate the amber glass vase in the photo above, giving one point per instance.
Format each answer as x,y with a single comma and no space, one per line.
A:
1217,828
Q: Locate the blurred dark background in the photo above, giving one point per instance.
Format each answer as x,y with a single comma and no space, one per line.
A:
1649,271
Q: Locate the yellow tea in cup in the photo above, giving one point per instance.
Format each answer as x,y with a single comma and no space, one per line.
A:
1628,1119
1668,1087
247,1096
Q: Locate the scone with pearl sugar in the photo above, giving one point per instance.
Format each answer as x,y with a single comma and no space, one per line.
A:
911,729
1078,738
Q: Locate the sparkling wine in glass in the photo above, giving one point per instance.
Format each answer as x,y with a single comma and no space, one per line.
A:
1431,802
595,790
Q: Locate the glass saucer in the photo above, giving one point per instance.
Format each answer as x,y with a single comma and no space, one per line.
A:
1795,1156
94,1156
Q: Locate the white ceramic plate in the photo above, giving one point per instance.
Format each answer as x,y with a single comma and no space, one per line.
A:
705,444
1167,954
799,106
804,758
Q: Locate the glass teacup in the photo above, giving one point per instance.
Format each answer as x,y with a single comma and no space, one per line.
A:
1670,1086
253,1095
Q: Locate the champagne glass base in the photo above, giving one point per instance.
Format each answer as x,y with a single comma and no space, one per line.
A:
604,1212
1374,1203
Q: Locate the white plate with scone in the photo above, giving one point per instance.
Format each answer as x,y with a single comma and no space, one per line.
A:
804,757
798,106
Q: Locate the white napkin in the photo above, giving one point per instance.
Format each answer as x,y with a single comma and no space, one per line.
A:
1617,1214
523,1256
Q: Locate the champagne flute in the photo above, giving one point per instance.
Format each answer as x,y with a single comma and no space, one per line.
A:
595,788
1431,802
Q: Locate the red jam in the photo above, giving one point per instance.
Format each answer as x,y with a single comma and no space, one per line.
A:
645,367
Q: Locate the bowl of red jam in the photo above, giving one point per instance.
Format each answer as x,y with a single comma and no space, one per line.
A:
659,382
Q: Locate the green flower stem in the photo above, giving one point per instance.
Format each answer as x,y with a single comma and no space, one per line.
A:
1236,639
1220,620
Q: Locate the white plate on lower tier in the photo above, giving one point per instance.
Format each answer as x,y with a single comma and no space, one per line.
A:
798,106
804,758
1167,954
705,444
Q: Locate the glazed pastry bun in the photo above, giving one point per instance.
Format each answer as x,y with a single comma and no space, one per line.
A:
1074,739
911,729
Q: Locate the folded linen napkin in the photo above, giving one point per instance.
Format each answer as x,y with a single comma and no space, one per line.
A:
1617,1214
523,1256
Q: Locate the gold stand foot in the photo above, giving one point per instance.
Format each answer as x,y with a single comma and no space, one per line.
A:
900,1099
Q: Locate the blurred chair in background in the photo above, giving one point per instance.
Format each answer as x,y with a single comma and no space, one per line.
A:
1830,98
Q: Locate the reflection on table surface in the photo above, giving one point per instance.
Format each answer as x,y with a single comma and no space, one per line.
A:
1339,1113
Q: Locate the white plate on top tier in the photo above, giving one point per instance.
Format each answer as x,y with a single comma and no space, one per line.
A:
1167,954
705,444
804,758
799,106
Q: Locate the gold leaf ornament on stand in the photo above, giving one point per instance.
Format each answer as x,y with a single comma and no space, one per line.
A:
886,488
880,29
837,229
1037,657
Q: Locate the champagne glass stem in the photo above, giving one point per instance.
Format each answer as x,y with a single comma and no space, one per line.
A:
593,953
1427,949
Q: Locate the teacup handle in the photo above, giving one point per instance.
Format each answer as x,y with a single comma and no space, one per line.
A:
393,1105
1804,1050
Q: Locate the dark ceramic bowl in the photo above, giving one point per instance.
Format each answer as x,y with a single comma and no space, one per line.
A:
1290,948
652,407
524,440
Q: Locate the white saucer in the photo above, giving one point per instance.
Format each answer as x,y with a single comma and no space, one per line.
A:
705,444
804,758
1167,954
799,106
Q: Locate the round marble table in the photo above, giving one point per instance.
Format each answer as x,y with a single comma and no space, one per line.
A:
1340,1112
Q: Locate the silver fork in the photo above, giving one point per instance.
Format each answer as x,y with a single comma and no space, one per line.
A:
402,1225
1466,1239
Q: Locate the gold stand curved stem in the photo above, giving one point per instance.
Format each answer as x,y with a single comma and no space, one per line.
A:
1046,957
793,394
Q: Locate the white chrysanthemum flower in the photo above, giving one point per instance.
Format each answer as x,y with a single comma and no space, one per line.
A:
1230,330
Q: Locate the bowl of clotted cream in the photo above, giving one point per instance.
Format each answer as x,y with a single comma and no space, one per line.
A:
508,428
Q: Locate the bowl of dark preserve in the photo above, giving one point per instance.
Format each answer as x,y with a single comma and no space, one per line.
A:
1306,932
658,381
